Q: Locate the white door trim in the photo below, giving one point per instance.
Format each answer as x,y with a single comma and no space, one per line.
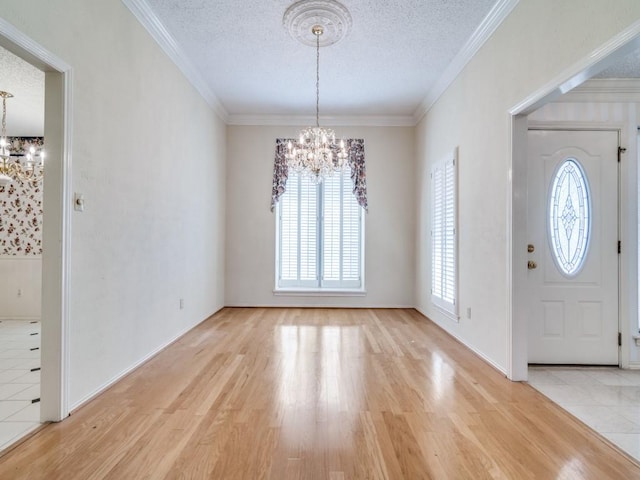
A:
617,47
57,218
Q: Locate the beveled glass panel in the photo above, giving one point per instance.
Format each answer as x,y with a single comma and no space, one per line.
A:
569,217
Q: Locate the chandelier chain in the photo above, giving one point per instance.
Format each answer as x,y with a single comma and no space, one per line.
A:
317,79
4,115
317,154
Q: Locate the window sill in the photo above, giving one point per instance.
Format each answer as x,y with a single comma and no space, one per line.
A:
320,292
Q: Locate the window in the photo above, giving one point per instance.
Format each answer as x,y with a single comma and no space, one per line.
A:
319,235
444,243
569,217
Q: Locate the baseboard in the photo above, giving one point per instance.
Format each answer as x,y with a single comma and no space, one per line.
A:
87,398
313,305
474,350
634,366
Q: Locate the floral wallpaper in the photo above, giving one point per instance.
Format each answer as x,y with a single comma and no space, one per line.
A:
21,215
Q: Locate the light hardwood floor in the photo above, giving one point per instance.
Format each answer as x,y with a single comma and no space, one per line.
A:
317,394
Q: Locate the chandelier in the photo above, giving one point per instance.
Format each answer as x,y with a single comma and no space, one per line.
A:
21,166
316,154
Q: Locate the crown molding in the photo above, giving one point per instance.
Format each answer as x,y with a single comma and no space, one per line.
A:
145,15
149,20
605,90
489,24
306,120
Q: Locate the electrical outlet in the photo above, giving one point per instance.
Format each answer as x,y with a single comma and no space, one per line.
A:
181,303
468,312
19,292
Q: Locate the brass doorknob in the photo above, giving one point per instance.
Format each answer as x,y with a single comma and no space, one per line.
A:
531,265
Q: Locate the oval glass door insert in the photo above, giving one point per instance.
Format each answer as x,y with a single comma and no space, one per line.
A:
569,217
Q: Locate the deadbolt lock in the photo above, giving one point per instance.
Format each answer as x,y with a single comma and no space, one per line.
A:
530,248
531,265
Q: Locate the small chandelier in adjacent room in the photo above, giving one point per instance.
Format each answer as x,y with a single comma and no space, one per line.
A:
316,153
22,166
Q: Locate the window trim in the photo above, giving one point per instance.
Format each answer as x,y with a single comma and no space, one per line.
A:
450,309
330,290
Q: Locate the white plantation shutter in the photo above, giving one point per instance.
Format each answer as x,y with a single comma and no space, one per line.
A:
320,234
351,233
331,229
289,232
298,243
444,243
308,253
341,233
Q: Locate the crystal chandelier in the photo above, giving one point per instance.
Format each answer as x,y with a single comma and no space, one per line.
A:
27,167
316,154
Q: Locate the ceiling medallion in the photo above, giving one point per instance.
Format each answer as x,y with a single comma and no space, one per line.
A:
331,15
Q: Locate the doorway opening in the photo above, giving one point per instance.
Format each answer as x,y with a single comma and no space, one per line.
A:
21,214
625,43
595,394
55,219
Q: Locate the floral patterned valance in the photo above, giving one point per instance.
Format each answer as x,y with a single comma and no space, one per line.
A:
355,147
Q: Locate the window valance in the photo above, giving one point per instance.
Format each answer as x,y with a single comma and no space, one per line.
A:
355,148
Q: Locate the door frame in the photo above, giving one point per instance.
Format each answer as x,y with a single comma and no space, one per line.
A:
569,126
625,42
54,381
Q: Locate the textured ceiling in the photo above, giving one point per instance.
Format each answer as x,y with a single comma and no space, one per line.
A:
626,67
25,111
394,53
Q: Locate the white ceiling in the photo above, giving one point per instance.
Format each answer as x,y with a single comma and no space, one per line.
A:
25,111
626,67
395,52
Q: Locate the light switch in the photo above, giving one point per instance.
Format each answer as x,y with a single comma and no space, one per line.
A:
78,202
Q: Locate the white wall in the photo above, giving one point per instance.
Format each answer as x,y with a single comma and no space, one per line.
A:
20,292
535,44
149,157
626,116
389,225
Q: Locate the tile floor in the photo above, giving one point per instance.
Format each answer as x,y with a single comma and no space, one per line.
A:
606,399
19,383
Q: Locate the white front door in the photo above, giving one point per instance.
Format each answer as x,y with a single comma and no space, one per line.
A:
572,226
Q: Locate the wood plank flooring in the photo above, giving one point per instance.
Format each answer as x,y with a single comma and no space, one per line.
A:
317,394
